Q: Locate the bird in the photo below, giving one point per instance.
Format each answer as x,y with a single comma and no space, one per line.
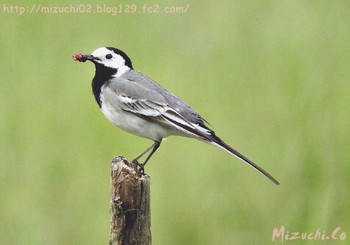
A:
138,105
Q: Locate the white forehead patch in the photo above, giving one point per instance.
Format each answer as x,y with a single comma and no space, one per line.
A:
116,62
101,51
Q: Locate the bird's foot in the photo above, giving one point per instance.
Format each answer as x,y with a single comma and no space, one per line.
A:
140,166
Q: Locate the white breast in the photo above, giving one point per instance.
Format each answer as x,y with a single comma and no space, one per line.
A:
111,107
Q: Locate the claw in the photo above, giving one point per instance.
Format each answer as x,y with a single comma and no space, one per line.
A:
141,167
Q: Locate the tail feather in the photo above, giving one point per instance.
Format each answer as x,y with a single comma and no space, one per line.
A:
220,143
202,132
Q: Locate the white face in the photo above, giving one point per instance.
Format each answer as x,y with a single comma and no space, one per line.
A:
110,59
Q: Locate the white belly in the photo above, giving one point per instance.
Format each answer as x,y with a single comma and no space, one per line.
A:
132,123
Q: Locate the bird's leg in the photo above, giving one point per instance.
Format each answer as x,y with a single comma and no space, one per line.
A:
153,147
144,152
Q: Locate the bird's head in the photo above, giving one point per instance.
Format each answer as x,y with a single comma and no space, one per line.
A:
107,58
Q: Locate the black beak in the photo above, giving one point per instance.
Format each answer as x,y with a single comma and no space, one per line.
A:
84,57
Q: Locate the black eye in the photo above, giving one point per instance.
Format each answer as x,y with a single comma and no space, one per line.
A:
109,56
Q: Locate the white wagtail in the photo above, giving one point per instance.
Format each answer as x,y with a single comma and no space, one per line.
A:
140,106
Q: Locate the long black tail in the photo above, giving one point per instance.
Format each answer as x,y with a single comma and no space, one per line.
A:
220,143
202,132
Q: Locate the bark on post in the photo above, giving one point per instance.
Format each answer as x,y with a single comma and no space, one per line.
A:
129,204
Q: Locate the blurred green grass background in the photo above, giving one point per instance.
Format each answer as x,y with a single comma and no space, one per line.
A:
272,77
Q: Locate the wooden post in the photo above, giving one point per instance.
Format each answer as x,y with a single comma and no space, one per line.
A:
129,204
